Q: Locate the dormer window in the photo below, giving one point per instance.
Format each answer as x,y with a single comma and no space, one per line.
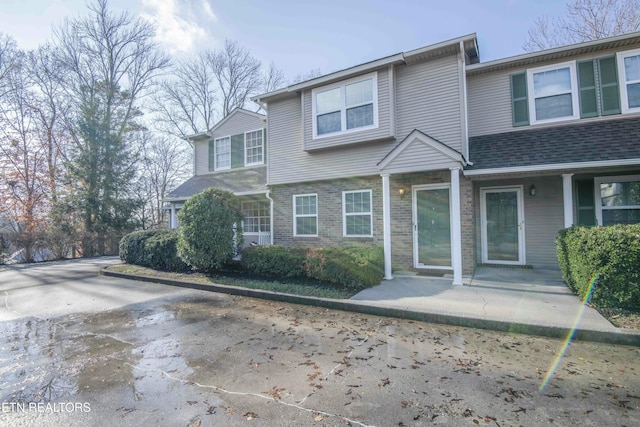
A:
347,106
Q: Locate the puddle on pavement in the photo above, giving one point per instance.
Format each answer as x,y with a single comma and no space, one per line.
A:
154,355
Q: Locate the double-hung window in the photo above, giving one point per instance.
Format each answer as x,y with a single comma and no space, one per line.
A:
222,152
356,213
553,93
305,215
346,106
254,148
618,199
629,69
256,217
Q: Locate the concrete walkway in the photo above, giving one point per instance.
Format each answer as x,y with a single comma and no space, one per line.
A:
516,296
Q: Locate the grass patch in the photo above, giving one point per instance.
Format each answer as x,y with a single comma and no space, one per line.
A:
296,287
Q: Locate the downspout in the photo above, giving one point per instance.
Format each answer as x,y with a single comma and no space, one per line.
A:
268,195
463,98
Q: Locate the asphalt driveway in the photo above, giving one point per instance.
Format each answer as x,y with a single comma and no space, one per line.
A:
82,349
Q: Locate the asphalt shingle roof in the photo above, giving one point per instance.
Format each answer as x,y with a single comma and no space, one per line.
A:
584,142
236,181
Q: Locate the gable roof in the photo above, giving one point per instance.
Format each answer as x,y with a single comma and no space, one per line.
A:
558,146
235,111
469,43
239,182
420,152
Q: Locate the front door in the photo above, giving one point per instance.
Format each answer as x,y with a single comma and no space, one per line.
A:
502,220
432,226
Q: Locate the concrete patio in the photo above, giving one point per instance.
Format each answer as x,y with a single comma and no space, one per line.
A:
518,296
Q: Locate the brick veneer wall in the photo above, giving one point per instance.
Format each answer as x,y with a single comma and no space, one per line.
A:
330,214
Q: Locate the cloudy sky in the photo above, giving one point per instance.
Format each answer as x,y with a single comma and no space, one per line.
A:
301,35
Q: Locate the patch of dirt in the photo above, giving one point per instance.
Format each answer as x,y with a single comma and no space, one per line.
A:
621,318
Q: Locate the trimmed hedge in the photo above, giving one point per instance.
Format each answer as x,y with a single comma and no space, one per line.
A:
611,252
152,248
352,267
274,261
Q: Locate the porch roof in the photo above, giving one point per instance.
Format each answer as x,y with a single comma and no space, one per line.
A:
239,182
595,141
420,152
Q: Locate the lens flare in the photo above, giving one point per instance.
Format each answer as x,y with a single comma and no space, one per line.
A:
571,334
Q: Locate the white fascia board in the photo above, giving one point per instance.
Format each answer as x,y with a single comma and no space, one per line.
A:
554,166
541,53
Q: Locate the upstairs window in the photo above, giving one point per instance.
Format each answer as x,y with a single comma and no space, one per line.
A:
222,153
552,92
629,68
254,148
346,106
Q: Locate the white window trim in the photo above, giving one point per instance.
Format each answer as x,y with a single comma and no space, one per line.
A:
343,110
598,196
295,215
575,102
345,214
215,157
622,80
246,161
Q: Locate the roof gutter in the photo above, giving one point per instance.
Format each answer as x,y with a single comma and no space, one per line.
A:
553,166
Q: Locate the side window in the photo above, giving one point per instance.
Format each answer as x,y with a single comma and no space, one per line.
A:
305,215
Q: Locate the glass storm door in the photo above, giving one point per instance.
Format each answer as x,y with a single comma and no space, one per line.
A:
432,227
502,225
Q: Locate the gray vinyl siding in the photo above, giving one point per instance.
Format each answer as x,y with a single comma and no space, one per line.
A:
382,131
489,98
543,217
288,162
201,152
421,157
428,99
239,123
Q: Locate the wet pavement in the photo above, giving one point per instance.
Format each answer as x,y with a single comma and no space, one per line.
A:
106,351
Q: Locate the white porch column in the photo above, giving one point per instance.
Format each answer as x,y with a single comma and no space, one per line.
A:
172,217
567,195
386,219
456,227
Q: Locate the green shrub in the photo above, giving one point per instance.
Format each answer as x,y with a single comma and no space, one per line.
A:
152,248
612,253
207,229
351,267
274,261
354,267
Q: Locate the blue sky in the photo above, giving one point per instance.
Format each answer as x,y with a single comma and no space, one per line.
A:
303,35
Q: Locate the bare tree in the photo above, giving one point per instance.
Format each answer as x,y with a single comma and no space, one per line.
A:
237,74
205,89
302,77
185,104
166,162
23,184
584,20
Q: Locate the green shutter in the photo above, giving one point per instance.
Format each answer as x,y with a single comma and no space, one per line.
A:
519,102
237,151
212,158
587,85
609,92
585,202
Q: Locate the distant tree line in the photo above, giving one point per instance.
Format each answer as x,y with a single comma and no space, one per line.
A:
91,126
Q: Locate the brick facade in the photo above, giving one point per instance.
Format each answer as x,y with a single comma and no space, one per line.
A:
330,231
